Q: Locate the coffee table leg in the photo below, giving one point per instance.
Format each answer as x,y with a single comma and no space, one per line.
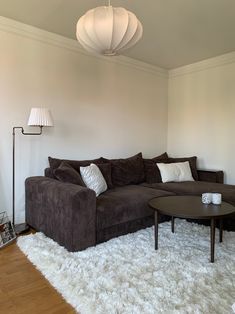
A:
212,239
221,230
156,229
172,224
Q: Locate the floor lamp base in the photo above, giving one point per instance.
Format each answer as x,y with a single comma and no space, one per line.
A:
21,228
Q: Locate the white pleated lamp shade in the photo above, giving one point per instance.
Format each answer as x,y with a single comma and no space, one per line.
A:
108,31
40,117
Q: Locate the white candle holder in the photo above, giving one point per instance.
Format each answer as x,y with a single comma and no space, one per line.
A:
206,198
216,198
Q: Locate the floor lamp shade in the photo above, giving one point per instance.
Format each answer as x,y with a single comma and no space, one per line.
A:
40,117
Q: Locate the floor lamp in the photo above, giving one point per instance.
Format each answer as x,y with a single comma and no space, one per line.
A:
39,117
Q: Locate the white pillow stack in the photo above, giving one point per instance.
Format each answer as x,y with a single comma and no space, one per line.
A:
93,179
175,172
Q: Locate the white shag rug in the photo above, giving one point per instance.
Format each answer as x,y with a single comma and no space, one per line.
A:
126,275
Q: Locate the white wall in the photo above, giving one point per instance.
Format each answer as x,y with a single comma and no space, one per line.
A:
202,113
100,108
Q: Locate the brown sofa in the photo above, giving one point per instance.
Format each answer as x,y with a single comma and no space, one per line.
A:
72,215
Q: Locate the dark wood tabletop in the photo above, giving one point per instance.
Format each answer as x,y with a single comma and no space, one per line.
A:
190,207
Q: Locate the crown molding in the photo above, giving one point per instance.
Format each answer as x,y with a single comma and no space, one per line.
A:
24,30
134,63
31,32
203,65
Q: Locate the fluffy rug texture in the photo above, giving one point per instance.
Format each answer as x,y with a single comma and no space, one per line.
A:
126,274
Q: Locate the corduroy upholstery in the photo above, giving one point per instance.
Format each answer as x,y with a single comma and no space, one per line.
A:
73,216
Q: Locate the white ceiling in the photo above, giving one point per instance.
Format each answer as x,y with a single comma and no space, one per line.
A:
176,32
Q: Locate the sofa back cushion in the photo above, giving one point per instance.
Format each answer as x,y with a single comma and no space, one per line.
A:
152,173
127,170
105,169
103,164
76,164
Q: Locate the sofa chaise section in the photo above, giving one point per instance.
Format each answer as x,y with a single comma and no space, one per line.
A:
199,187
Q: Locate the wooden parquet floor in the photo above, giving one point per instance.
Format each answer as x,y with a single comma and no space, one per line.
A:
23,290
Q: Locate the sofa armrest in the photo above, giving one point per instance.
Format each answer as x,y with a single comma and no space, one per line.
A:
216,176
62,211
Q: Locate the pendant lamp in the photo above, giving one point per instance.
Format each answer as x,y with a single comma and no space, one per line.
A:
108,31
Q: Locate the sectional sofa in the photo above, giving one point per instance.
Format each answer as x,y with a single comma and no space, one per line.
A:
63,208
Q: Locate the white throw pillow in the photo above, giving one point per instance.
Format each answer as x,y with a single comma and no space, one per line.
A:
93,178
175,172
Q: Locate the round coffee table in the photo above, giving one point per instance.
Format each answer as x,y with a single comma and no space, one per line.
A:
190,207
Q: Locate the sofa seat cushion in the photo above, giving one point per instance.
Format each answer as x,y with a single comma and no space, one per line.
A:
123,204
196,188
